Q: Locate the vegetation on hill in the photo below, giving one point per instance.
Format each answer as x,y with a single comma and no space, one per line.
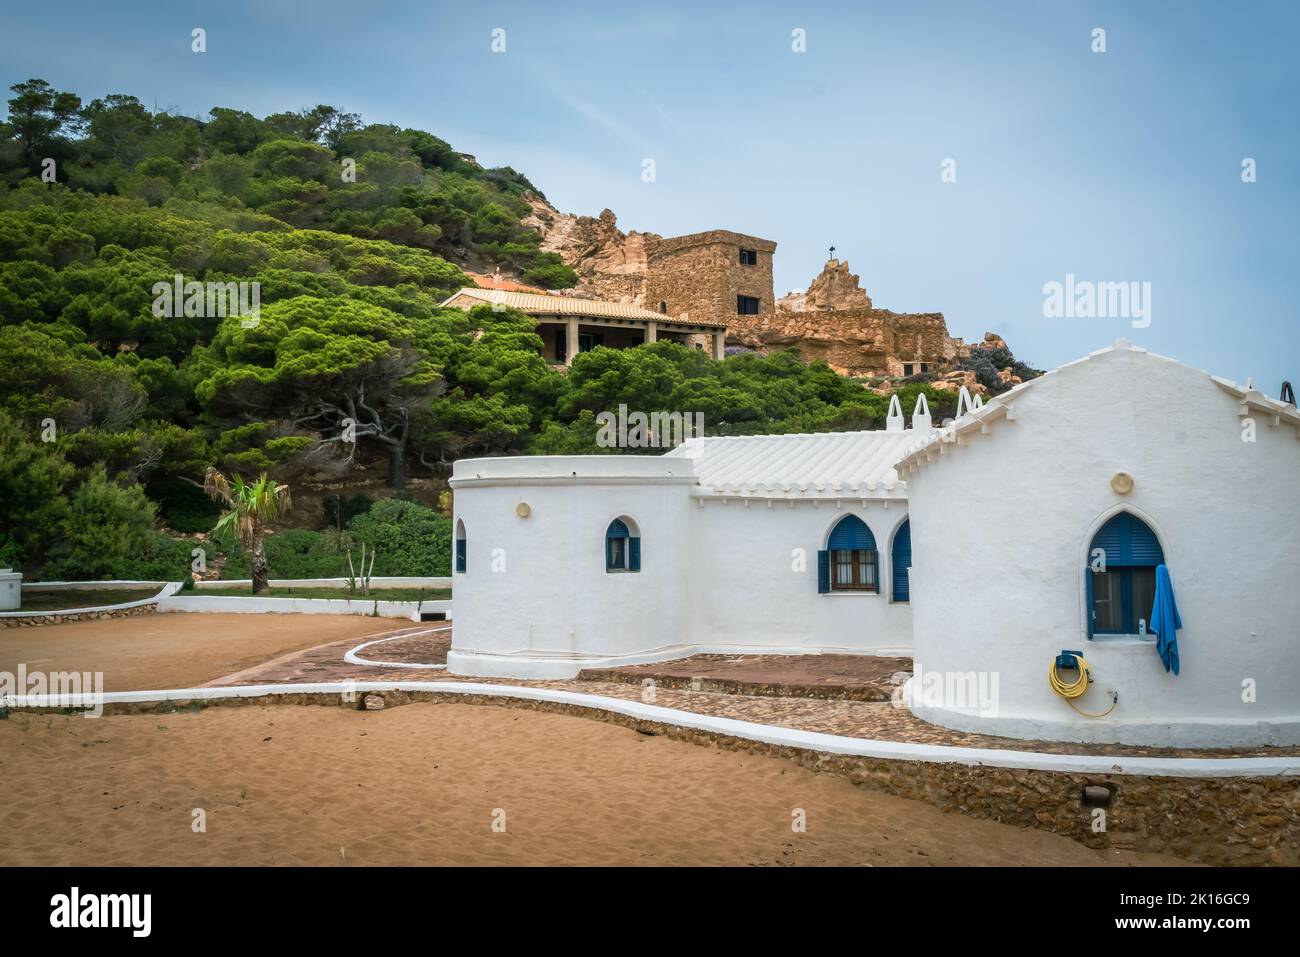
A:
110,413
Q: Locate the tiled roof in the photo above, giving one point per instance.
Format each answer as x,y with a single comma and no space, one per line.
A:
497,281
829,465
534,304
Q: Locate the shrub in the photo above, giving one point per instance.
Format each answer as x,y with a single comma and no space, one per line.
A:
106,526
159,558
410,539
292,553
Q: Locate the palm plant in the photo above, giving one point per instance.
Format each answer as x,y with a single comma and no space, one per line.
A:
250,506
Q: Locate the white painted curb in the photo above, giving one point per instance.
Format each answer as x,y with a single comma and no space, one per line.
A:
769,734
353,658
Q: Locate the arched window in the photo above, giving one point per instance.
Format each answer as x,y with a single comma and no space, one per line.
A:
622,546
663,306
460,546
900,560
848,563
1121,576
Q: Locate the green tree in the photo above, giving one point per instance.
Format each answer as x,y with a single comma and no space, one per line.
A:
249,509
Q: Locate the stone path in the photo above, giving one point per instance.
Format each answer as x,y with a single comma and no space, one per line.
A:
835,677
874,719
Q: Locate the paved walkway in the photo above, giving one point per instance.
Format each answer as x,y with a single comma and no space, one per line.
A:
872,719
835,677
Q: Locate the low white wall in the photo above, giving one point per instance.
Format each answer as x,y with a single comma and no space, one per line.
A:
392,581
301,606
116,585
168,588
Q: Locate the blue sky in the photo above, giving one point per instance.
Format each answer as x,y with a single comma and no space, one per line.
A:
1115,166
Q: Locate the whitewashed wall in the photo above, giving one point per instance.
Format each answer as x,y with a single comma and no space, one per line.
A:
716,578
1001,527
747,594
550,608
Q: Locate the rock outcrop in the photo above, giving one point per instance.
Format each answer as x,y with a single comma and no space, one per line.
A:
834,288
611,264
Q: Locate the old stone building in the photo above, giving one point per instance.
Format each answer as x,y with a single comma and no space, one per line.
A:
723,277
717,276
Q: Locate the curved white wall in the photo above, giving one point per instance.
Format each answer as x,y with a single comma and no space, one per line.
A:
1000,530
536,600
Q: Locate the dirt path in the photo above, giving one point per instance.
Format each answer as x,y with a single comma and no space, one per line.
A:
421,784
175,650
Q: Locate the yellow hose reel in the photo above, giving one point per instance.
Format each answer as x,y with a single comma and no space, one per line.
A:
1069,690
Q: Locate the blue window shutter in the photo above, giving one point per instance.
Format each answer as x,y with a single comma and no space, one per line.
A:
609,552
823,571
1087,579
851,532
1127,541
460,554
634,554
901,560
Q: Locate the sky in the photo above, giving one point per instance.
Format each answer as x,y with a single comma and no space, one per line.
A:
1117,166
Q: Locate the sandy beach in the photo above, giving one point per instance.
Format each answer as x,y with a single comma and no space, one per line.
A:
175,651
423,784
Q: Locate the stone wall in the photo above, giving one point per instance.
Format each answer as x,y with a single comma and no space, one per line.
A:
58,617
858,342
701,276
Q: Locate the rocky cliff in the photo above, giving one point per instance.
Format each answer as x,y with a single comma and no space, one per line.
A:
611,264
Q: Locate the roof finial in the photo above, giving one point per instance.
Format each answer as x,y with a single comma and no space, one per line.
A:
963,402
921,421
894,419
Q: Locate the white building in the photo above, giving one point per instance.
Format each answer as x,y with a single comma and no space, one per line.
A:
803,544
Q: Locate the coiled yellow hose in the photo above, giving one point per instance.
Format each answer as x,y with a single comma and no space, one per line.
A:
1075,689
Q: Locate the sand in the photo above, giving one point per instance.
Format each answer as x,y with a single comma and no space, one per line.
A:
175,650
420,784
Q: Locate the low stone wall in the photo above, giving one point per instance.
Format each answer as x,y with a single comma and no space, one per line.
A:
1224,821
59,617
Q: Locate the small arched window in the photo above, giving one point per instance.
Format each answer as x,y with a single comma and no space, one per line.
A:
622,546
663,306
849,561
460,546
1121,576
900,561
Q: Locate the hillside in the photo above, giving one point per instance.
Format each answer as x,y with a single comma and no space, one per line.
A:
352,375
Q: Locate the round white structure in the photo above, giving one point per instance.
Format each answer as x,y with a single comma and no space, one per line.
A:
1006,504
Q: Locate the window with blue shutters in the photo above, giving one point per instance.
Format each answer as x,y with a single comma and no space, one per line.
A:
849,561
1121,576
622,547
460,546
901,561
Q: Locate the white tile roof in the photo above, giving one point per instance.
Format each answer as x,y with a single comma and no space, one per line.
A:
534,303
830,465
